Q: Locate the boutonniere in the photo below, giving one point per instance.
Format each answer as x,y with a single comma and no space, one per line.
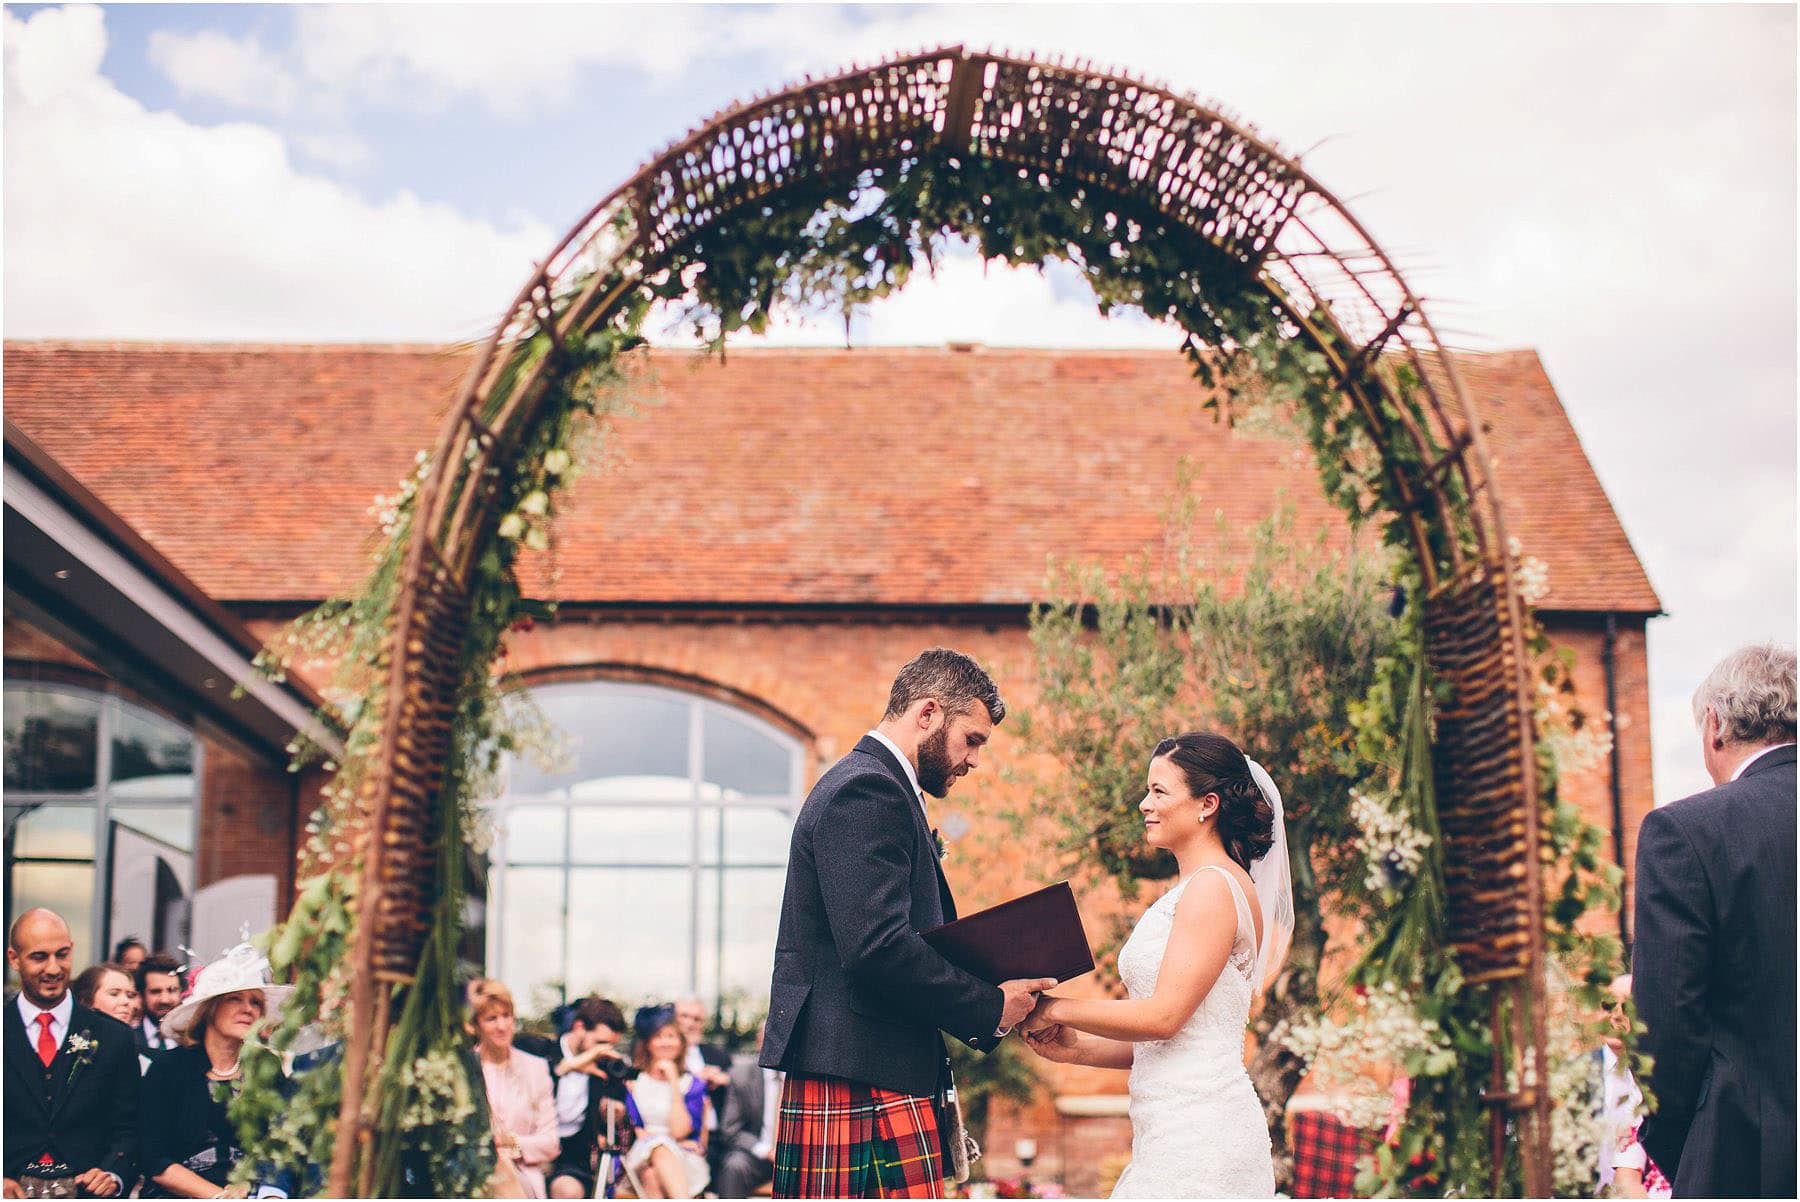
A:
937,841
83,1046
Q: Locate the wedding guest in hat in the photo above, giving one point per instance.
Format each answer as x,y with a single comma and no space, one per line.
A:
520,1099
71,1076
189,1143
668,1108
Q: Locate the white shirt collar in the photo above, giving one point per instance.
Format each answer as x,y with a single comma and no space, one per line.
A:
1743,767
60,1014
906,766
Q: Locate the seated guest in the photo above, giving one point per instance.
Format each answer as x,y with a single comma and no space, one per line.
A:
71,1077
709,1062
746,1135
189,1143
588,1083
519,1095
668,1110
159,989
109,989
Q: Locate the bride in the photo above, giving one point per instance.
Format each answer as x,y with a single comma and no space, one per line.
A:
1191,968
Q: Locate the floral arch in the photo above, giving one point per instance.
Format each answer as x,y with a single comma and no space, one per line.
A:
826,194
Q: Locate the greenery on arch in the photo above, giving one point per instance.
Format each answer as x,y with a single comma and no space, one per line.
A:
840,245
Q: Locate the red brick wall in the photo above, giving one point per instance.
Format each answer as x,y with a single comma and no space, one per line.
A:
246,817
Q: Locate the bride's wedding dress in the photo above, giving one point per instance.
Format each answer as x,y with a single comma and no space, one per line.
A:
1197,1128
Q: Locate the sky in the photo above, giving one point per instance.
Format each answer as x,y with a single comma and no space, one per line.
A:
1611,186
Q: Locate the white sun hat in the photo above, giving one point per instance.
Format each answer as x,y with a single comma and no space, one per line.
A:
236,970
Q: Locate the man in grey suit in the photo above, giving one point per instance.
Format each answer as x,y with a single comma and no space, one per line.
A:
746,1135
1713,966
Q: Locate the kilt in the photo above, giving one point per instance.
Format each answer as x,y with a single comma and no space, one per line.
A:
842,1139
1325,1154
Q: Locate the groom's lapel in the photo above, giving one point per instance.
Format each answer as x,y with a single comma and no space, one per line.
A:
870,745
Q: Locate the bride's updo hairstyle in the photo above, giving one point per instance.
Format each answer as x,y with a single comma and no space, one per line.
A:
1213,764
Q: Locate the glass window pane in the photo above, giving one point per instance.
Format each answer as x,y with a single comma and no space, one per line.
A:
630,932
66,888
52,739
171,825
631,835
151,882
707,939
757,835
531,936
742,760
711,828
62,832
151,756
626,744
752,915
535,834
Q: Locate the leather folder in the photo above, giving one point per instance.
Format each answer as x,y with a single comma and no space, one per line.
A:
1037,935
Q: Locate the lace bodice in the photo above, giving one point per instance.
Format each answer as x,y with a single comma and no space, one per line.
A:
1197,1126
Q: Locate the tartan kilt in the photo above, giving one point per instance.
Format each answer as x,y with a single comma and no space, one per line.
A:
843,1139
1325,1154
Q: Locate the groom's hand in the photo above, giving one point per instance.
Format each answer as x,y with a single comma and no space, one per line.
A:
1021,999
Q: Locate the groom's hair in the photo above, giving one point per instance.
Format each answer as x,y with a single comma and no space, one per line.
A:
1213,764
951,678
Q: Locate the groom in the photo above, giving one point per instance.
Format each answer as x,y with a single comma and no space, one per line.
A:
858,998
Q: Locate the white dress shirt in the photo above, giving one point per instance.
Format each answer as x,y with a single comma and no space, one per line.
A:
60,1014
571,1096
153,1032
1744,767
906,766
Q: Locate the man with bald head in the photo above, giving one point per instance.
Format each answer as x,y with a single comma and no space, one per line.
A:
71,1076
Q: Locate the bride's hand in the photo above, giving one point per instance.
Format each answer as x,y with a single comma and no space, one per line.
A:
1053,1042
1039,1018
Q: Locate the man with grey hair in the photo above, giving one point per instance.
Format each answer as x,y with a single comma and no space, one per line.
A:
1713,966
858,997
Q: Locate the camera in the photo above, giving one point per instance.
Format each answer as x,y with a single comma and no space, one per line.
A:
614,1072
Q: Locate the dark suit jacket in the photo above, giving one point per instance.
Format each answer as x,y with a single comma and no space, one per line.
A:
856,993
83,1109
1713,979
143,1044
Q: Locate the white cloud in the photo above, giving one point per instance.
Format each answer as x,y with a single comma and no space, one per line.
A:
130,224
237,71
511,57
342,150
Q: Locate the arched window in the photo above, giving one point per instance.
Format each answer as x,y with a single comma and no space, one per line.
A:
100,815
652,865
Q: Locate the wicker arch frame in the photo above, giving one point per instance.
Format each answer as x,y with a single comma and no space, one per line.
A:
1079,126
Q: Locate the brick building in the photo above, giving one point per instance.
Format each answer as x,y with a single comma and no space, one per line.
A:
778,532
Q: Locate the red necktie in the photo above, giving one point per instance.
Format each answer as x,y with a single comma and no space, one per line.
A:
46,1045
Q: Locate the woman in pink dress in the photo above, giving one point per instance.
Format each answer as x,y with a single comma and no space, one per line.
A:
519,1094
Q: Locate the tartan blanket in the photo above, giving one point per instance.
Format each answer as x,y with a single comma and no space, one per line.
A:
842,1139
1325,1154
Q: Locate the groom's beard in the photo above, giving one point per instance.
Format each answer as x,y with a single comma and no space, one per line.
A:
934,762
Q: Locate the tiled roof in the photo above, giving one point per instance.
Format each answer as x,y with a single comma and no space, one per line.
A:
884,476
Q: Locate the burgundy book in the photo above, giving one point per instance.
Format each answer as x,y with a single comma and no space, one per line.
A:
1037,935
